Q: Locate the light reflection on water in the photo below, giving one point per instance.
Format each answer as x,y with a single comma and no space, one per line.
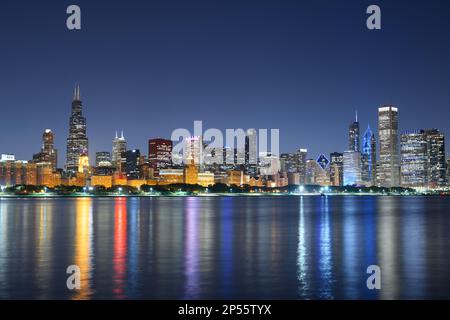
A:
225,247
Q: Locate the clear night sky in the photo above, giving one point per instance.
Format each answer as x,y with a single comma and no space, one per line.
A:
148,67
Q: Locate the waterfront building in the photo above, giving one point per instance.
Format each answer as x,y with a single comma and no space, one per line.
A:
235,177
389,164
293,178
191,173
171,176
315,174
448,172
436,158
193,150
119,147
368,158
251,147
159,154
119,179
77,142
131,163
336,169
269,164
102,181
353,135
205,179
136,183
352,168
102,156
413,159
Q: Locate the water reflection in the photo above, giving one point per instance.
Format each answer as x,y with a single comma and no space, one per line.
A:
191,255
120,247
225,247
83,245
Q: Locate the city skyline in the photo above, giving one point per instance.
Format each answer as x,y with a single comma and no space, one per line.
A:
285,70
119,143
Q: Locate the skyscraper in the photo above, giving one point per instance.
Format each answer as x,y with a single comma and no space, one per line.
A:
436,158
77,142
353,135
336,169
352,168
251,145
368,158
251,152
102,156
159,154
413,166
132,163
48,152
193,150
119,146
389,165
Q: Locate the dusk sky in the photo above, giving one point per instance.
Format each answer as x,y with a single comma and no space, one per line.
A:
149,67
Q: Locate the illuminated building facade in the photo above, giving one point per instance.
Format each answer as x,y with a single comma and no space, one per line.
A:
389,162
119,147
414,160
193,148
352,168
77,142
102,158
353,135
205,179
436,158
191,173
159,154
336,169
368,158
131,164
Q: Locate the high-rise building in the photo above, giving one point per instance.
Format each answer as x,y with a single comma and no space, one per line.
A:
119,147
251,152
413,165
368,158
353,135
159,154
352,168
251,147
269,164
389,164
102,156
448,172
193,150
48,147
336,169
132,163
436,158
77,142
48,153
315,174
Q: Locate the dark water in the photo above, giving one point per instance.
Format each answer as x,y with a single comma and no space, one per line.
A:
225,247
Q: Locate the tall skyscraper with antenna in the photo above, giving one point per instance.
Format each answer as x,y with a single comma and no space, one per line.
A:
119,146
77,142
353,135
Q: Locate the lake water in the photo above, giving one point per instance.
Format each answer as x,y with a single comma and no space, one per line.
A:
225,247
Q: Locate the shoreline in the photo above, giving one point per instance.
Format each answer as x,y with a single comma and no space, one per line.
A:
54,196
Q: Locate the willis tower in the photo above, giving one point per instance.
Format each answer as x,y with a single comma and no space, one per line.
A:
77,142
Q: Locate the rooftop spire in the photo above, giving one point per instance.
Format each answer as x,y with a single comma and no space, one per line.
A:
116,134
76,93
121,135
356,117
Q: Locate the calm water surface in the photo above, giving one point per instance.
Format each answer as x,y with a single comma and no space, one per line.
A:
225,247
